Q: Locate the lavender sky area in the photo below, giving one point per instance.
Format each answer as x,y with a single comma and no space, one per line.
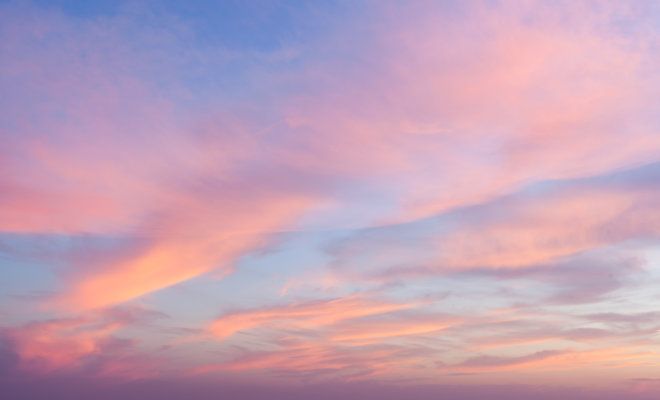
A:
329,200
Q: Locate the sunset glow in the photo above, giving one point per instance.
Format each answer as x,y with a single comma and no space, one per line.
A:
330,200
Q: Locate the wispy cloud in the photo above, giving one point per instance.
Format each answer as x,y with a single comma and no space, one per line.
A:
455,193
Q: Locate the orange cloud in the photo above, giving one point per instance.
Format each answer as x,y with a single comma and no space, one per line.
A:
197,239
309,315
351,337
615,357
376,332
323,361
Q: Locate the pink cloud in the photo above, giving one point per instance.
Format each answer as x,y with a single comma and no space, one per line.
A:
442,117
309,315
82,343
502,103
109,152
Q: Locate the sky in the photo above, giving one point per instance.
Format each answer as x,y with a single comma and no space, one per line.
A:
330,199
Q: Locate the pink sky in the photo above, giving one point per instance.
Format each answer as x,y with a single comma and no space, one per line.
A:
381,199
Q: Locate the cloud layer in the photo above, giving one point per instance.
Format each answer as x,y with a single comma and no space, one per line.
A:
386,198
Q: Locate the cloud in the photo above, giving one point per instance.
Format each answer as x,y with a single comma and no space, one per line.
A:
544,224
503,154
84,343
348,338
193,240
309,315
104,153
521,93
492,119
493,362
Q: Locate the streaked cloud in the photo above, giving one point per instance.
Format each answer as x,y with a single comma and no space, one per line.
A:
430,197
